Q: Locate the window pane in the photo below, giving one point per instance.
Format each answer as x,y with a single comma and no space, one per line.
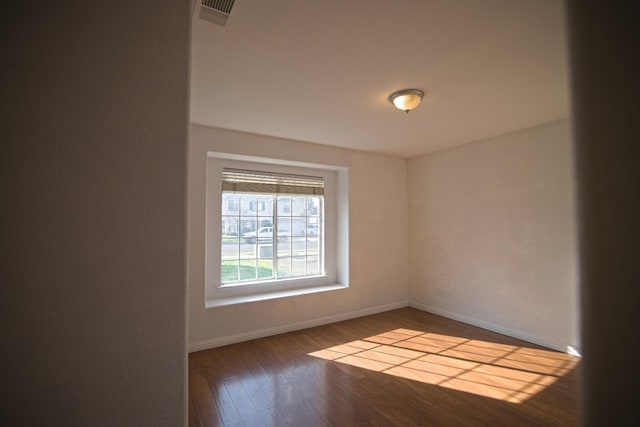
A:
248,224
313,246
298,207
313,227
313,206
284,247
247,269
298,226
230,226
230,204
265,250
248,203
298,246
229,248
265,221
313,265
229,271
298,266
230,245
265,268
284,205
265,206
284,267
284,228
247,250
258,206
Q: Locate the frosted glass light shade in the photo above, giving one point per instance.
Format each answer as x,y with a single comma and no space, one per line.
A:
406,99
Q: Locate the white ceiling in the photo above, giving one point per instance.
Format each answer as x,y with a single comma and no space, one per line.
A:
321,71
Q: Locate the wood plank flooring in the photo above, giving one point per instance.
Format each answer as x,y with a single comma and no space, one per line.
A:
399,368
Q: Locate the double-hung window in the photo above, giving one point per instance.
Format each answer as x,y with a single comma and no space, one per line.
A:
272,227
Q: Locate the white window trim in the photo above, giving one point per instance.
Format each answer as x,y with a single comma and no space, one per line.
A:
336,217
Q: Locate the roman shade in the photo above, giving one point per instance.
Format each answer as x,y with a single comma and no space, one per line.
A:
247,181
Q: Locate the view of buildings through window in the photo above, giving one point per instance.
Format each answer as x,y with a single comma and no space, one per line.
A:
270,236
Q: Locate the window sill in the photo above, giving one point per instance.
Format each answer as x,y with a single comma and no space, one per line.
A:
220,302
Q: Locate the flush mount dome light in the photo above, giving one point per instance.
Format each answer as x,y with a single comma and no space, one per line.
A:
406,99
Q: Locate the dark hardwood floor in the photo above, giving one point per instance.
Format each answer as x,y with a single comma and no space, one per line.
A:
399,368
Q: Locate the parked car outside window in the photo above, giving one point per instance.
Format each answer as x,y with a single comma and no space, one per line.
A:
265,234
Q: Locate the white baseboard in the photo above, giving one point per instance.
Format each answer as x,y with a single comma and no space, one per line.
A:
490,326
232,339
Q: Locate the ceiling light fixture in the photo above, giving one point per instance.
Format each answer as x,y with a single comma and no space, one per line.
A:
406,99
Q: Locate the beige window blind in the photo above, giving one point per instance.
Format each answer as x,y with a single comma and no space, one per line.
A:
247,181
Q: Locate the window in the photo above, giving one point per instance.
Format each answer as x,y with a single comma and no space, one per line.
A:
283,238
255,206
232,205
285,206
274,229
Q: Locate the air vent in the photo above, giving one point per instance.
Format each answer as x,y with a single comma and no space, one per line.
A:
216,11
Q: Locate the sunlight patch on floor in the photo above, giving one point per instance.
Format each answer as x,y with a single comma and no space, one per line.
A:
498,371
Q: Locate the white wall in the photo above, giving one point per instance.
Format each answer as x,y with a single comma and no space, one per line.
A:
378,226
492,223
93,171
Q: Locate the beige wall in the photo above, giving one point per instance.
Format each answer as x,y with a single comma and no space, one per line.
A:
378,240
93,170
604,44
491,224
492,234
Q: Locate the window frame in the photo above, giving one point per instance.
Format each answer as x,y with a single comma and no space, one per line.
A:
335,233
275,239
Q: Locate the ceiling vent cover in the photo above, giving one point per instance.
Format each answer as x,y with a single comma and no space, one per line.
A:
216,11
